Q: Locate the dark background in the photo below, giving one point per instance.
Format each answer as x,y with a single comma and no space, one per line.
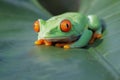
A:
60,6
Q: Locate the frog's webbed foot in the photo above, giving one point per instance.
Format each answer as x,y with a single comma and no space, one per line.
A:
42,41
94,37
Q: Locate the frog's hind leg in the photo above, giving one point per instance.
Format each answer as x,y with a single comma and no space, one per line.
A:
96,35
82,41
96,26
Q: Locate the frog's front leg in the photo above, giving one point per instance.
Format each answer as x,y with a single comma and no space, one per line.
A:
82,41
42,41
96,26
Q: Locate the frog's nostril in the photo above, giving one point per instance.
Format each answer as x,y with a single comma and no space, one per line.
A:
36,26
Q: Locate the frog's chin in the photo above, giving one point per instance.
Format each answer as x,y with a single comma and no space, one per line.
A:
62,39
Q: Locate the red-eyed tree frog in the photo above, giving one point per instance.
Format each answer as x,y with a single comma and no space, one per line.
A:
68,30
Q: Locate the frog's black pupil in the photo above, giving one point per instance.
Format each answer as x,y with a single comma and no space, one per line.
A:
67,25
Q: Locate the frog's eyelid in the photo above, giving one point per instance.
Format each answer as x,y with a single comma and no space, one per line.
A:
36,26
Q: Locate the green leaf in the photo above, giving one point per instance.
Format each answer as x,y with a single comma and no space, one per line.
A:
108,50
20,59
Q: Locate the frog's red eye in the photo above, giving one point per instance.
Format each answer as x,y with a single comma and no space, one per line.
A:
65,25
36,26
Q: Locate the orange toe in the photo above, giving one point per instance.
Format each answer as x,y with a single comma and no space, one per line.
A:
94,37
47,43
66,46
99,36
39,42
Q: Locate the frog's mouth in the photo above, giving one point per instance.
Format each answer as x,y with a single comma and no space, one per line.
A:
63,39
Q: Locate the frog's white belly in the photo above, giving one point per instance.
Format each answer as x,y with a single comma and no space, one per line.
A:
63,39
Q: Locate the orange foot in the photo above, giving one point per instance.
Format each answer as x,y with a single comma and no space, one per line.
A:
41,41
94,37
66,46
47,43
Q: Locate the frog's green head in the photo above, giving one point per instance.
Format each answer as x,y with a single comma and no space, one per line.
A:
56,28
